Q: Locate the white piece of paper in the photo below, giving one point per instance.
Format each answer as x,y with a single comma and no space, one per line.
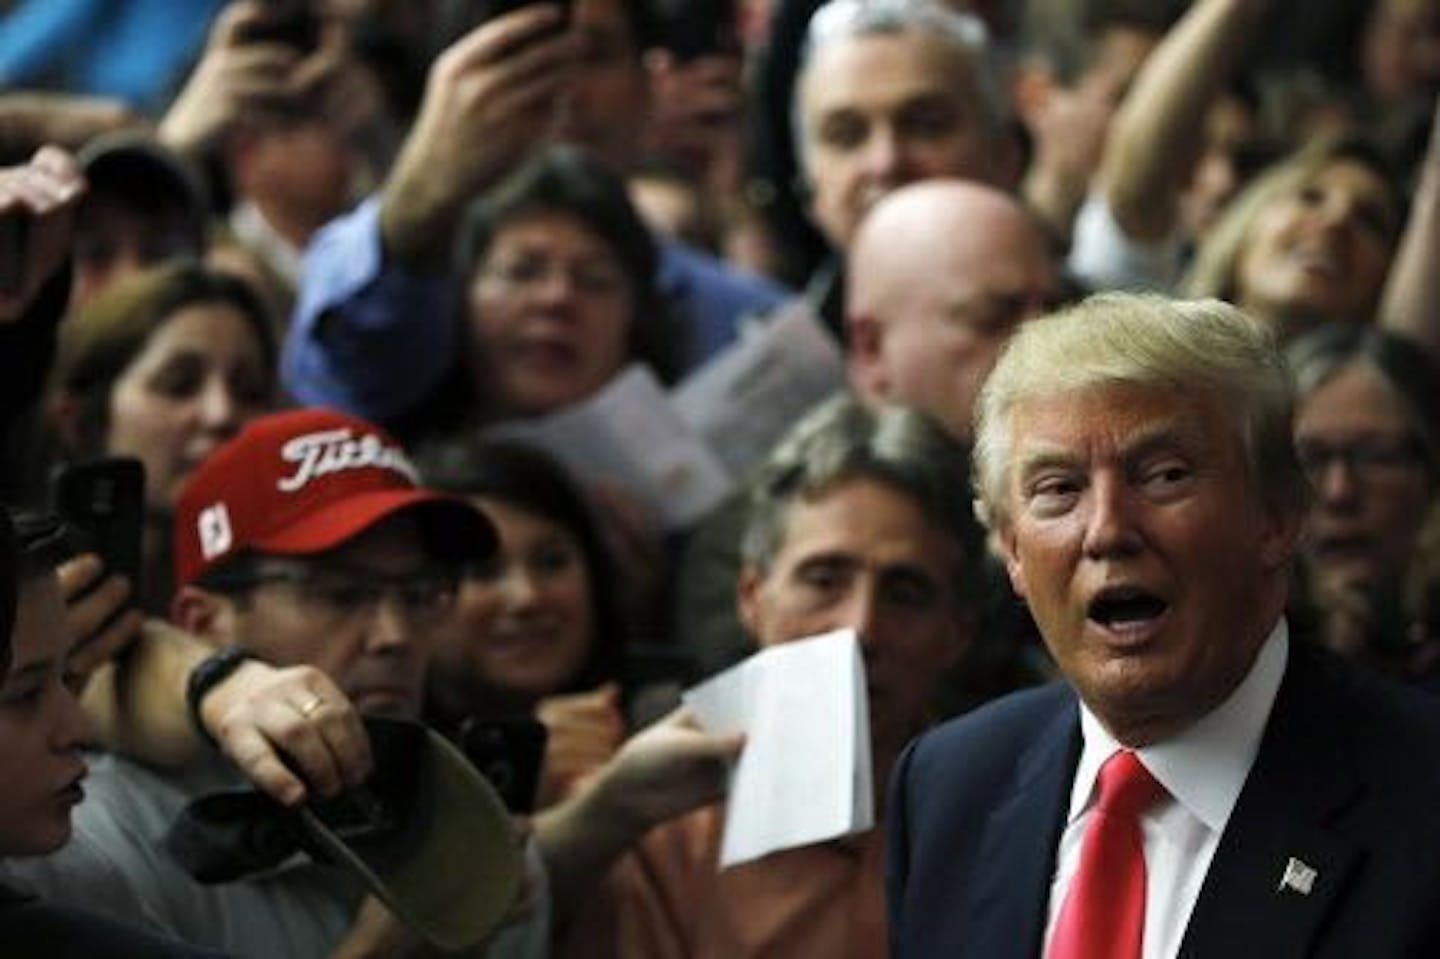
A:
746,398
804,775
628,435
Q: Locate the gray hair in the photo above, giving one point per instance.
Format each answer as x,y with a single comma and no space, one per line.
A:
842,440
843,20
1402,365
1192,347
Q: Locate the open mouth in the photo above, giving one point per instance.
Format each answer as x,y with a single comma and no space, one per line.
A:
1126,608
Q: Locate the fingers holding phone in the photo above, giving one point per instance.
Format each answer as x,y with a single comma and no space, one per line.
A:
102,501
99,612
38,200
489,100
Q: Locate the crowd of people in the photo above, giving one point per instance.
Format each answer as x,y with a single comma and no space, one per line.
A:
1127,487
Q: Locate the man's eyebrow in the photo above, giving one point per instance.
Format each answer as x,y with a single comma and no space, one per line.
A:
1042,458
1157,437
1153,437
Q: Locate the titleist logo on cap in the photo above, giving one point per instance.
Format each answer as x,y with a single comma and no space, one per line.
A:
335,451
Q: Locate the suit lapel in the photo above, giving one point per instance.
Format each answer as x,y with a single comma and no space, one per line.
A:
1006,913
1280,868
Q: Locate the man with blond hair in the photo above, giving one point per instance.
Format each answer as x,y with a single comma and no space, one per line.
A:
1200,784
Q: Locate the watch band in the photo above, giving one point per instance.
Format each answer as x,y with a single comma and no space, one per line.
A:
207,674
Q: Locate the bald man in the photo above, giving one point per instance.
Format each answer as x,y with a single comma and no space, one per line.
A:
941,273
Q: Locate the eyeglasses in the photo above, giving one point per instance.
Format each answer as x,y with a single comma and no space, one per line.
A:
342,594
527,272
1369,459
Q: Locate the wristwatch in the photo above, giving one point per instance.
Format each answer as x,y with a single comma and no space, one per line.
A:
207,674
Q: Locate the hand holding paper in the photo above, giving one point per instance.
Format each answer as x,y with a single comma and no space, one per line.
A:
804,776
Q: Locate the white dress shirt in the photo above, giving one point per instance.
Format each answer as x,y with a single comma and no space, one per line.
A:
1203,769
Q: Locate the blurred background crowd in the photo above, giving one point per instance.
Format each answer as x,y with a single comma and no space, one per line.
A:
438,220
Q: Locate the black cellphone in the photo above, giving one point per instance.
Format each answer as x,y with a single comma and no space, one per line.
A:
14,230
691,29
103,502
293,23
509,753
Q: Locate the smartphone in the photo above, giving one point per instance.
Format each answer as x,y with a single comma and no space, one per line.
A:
14,228
103,502
691,29
292,23
509,753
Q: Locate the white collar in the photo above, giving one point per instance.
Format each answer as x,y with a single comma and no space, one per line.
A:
1204,766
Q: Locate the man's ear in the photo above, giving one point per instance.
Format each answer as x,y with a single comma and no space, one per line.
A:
747,599
207,615
867,373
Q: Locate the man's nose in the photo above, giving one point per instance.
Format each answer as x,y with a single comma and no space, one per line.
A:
390,628
862,612
1111,526
885,155
1336,485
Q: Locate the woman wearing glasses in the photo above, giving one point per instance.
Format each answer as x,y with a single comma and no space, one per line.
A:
1367,431
560,296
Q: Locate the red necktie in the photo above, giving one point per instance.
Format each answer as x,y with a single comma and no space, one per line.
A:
1103,916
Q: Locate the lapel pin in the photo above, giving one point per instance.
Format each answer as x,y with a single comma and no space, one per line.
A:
1298,876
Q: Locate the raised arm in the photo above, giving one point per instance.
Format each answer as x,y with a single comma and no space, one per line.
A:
377,295
1411,304
1152,141
488,100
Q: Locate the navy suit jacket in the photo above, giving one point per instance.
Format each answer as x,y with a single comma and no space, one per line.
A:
1347,781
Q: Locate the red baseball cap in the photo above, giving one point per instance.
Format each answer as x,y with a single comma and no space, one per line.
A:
307,481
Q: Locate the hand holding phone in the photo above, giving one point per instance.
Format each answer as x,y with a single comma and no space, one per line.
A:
292,23
103,501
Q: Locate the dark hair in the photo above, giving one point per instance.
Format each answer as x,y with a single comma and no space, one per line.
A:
567,181
100,341
1405,367
32,543
530,479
